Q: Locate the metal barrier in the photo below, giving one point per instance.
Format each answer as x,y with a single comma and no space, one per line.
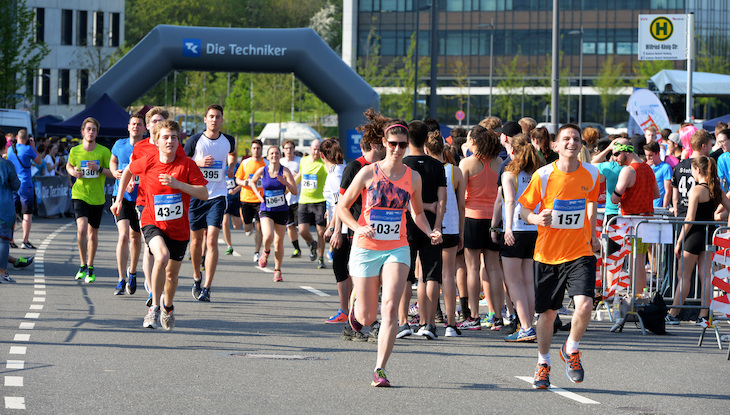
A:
721,270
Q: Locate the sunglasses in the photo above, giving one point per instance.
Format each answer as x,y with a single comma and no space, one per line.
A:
401,144
616,154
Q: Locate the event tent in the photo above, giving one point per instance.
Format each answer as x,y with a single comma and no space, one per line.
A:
113,119
709,125
671,81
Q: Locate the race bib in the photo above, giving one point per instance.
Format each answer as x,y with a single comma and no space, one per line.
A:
168,207
87,172
274,198
258,182
213,173
230,184
387,223
135,179
309,182
568,214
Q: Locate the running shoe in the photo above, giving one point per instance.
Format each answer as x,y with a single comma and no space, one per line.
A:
452,331
419,330
167,319
277,276
329,256
351,317
542,377
404,330
13,245
429,331
320,263
470,323
264,259
147,286
256,257
439,315
380,380
297,253
149,301
413,310
349,334
702,322
527,336
90,277
121,285
23,262
670,319
196,288
340,317
150,320
204,295
6,279
488,321
497,325
229,251
202,263
573,367
131,282
27,245
81,273
373,333
313,251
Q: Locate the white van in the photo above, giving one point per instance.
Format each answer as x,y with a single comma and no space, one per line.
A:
13,120
302,135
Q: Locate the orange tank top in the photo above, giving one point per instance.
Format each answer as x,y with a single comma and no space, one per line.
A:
481,192
639,198
385,210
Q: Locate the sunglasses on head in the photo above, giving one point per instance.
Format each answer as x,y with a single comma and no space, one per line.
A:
401,144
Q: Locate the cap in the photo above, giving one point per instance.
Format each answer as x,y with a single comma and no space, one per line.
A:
674,137
510,129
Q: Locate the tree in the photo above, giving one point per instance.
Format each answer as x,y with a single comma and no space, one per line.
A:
400,104
20,53
707,61
511,76
608,83
546,76
460,71
327,25
644,70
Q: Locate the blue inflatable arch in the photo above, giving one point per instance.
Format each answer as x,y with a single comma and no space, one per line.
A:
300,51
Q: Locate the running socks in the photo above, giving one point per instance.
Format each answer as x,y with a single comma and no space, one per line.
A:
465,306
543,358
169,309
296,244
571,346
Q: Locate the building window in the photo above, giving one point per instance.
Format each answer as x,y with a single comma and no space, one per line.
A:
98,29
83,85
64,83
44,87
114,30
40,24
82,27
67,29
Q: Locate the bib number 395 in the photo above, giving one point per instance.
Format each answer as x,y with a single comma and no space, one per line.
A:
568,214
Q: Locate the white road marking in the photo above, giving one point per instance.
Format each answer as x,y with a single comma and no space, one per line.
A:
13,402
36,306
39,299
39,292
39,280
40,286
236,254
314,291
18,349
13,381
15,364
270,271
32,315
562,392
21,337
27,326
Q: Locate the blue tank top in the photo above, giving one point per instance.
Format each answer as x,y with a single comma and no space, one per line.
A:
274,193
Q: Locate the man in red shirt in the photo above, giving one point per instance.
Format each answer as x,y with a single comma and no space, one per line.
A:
169,181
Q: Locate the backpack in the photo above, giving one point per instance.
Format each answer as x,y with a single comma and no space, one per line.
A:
653,315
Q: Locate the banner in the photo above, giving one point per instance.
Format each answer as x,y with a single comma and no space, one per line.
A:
647,111
52,195
662,37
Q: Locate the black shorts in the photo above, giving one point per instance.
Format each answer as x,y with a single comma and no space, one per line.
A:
250,212
612,246
431,260
127,212
577,277
234,207
279,218
205,213
90,212
176,248
524,247
313,213
450,240
477,235
695,242
293,218
340,257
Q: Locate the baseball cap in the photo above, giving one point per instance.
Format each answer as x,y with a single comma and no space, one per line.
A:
674,137
510,129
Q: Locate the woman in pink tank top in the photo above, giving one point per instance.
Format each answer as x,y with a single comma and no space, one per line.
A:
380,252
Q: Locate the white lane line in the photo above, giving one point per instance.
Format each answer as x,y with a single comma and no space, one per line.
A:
13,402
41,292
15,364
36,306
39,280
18,349
13,381
40,286
270,271
27,326
564,393
39,299
314,291
32,315
21,337
236,254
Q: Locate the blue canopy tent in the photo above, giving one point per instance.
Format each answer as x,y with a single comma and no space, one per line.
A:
709,125
113,119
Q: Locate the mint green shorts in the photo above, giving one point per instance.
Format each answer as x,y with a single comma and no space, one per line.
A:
368,263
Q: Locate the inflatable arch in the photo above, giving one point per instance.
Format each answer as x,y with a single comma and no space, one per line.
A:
300,51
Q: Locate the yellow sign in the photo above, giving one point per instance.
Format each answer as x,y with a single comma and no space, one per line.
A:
661,28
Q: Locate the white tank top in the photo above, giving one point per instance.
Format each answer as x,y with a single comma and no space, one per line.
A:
519,225
450,224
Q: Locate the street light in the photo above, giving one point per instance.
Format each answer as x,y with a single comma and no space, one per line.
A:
491,58
580,75
418,10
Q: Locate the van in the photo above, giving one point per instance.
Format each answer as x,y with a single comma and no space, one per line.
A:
302,135
13,120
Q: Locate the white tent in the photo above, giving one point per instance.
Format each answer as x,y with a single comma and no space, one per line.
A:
670,81
302,134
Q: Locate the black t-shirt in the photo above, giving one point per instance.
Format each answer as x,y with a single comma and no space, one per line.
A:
684,182
502,167
433,176
348,175
716,154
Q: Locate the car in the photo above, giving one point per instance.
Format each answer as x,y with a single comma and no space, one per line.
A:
12,120
622,127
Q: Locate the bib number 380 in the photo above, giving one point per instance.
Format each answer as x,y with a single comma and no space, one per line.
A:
168,207
568,214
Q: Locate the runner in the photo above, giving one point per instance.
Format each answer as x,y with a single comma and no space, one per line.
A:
129,244
276,180
291,161
215,154
170,180
88,162
233,211
249,202
567,193
312,174
380,253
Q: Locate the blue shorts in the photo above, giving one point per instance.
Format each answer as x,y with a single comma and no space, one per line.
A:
368,263
25,200
205,213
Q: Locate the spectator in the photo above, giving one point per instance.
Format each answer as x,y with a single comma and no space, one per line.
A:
674,149
9,184
52,160
723,162
528,124
662,173
21,155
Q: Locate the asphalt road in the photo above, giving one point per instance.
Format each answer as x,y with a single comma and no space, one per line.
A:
262,347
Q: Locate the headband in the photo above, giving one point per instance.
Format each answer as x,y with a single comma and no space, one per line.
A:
394,125
623,147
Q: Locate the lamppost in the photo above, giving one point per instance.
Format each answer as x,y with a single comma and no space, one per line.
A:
418,10
434,57
580,75
491,59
